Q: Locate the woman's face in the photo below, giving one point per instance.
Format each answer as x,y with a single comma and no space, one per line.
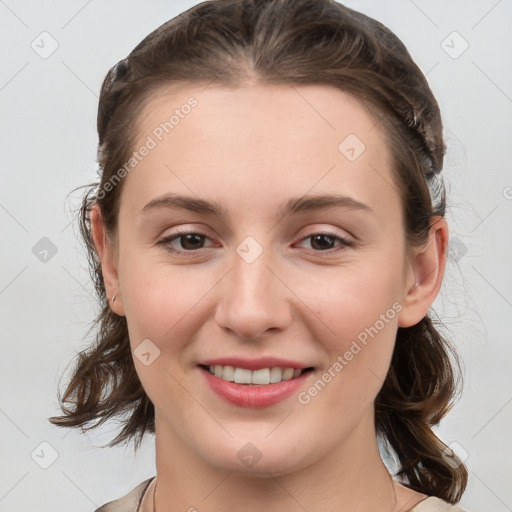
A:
274,273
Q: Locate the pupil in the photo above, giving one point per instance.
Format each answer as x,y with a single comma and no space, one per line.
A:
329,245
191,238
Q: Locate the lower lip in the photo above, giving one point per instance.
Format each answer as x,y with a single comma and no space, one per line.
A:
253,395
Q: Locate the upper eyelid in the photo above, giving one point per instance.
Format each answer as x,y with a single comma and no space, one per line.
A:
316,231
330,232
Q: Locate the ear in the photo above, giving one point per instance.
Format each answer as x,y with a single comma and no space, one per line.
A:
108,258
425,275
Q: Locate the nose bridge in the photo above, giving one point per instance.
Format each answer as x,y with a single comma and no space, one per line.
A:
253,298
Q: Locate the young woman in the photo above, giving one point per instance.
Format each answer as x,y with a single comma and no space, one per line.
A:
267,238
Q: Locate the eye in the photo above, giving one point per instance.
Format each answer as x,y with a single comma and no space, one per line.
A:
190,241
325,242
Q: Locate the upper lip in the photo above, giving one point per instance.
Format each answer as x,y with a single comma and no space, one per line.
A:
254,364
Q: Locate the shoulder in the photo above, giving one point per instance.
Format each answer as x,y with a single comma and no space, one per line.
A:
433,504
128,503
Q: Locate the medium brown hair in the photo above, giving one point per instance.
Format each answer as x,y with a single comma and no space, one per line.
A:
232,42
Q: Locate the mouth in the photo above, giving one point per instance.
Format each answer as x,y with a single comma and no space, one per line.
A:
260,377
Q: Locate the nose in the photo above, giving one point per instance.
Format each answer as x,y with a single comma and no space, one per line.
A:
254,299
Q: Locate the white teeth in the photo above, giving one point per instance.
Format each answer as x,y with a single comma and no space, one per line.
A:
276,375
242,376
228,373
288,373
259,377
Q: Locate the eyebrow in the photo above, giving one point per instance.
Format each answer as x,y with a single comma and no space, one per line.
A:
294,205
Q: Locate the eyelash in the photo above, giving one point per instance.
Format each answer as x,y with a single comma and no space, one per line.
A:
165,242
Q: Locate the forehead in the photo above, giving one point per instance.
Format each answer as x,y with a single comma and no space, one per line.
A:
295,112
259,141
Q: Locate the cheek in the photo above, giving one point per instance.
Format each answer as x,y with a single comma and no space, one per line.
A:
348,301
153,295
354,317
159,303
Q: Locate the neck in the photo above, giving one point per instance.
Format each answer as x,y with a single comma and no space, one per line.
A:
351,477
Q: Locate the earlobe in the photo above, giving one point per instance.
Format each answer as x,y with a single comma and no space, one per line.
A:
108,261
426,276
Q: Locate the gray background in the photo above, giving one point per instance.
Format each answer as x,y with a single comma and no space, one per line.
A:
48,147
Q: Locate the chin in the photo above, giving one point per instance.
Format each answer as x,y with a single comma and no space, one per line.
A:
259,458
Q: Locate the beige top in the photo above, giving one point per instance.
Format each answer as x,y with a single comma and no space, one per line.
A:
131,502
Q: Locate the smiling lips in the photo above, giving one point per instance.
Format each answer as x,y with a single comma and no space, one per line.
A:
261,371
254,383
